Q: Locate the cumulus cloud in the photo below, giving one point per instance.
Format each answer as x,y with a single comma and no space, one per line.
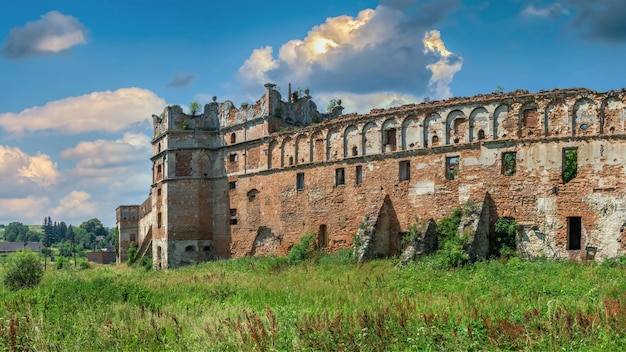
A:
181,80
54,32
444,69
28,209
378,51
122,163
21,173
77,205
110,111
551,10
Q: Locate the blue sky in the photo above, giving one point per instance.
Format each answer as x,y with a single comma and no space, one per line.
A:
79,80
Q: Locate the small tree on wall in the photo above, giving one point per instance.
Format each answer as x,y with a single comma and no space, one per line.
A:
570,164
194,108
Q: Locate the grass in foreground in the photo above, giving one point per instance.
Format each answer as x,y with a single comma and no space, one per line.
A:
325,303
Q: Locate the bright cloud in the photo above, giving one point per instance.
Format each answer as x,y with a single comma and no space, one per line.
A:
445,68
22,173
76,205
29,209
54,32
110,111
378,52
121,163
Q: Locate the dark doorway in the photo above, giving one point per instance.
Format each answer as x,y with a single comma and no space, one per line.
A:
574,232
322,237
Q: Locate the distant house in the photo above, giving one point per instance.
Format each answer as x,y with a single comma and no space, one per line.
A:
10,247
101,257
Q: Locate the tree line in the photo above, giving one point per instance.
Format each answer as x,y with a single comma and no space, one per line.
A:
89,235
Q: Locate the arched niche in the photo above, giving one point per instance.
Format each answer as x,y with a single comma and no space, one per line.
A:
317,146
287,152
432,130
529,121
410,133
479,121
351,141
303,149
612,115
389,135
371,139
585,119
457,127
556,119
333,145
503,125
205,165
273,155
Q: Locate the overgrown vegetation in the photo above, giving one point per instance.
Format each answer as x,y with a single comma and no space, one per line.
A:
505,232
570,164
451,247
323,303
22,270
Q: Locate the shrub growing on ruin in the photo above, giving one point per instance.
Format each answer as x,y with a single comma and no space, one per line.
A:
22,270
300,250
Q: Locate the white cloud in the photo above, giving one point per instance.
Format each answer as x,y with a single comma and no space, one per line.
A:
110,111
21,173
444,69
379,54
552,10
54,32
122,163
76,205
29,210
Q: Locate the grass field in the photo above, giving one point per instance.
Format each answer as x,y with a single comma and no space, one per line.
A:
327,303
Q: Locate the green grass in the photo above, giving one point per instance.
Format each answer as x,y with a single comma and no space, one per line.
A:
324,303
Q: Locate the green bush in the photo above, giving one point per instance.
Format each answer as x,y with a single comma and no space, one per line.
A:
22,270
84,265
146,263
132,254
61,263
300,250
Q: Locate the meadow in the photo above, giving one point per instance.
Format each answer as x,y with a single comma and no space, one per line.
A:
323,303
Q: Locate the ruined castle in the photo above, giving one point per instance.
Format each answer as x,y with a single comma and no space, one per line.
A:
251,180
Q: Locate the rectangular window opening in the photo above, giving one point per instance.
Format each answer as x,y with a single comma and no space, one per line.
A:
322,237
300,181
340,177
452,167
390,139
232,184
159,220
509,163
233,157
574,232
233,221
570,164
359,174
404,170
233,212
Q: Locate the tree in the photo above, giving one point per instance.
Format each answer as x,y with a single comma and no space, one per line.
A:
16,232
194,107
332,104
72,238
47,238
499,89
22,270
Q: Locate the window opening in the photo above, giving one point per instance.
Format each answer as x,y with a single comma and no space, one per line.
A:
355,151
359,174
233,212
233,157
291,160
509,163
404,170
390,137
452,167
435,141
300,181
233,221
570,164
189,249
232,184
233,137
340,177
481,135
574,232
159,220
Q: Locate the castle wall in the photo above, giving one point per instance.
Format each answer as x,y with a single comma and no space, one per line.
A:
252,180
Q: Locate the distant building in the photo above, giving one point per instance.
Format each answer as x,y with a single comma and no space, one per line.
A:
10,247
101,257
